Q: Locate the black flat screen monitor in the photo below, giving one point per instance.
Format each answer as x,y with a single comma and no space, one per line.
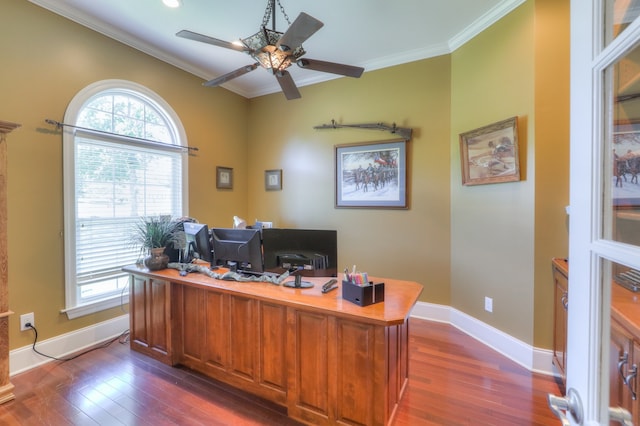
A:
237,249
306,249
198,244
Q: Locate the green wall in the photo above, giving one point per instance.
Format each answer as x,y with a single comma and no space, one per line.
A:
408,244
492,238
461,243
46,60
503,236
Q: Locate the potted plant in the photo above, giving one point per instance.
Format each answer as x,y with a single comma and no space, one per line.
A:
153,234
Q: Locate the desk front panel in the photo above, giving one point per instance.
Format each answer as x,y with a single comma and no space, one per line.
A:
326,360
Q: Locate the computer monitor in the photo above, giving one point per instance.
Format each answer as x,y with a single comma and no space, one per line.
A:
313,251
237,249
197,242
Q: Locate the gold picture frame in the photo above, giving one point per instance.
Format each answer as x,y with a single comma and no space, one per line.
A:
489,154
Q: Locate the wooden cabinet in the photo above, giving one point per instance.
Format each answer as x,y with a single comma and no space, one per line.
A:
346,372
234,339
150,317
624,343
624,360
326,370
560,314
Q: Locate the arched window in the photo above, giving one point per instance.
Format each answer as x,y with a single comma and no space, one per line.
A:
124,158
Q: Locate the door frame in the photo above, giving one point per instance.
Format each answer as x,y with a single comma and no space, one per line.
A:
589,313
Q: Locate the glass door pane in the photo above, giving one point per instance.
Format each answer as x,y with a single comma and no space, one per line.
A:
618,15
621,154
620,277
624,341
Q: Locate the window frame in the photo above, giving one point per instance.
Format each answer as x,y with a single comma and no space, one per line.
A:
73,305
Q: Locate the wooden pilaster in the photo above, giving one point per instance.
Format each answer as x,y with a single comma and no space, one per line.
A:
6,388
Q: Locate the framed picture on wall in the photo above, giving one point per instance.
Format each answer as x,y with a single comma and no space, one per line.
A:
273,180
224,177
625,161
372,174
489,154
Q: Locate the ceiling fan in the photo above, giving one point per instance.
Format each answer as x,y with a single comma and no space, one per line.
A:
276,51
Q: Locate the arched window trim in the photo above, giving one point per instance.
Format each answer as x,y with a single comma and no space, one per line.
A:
73,308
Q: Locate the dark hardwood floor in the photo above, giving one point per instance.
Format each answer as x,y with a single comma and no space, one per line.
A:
454,380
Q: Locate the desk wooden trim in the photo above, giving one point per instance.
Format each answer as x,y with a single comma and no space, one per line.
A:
327,360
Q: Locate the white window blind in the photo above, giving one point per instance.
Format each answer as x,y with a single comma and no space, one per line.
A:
116,184
124,159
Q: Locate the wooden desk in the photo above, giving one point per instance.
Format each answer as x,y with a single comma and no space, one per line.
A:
328,361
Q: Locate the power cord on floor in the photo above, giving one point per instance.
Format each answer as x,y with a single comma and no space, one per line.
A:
122,338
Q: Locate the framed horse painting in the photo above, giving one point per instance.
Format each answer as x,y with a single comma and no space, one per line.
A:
372,174
490,154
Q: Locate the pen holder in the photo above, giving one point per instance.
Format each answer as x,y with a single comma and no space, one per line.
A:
363,295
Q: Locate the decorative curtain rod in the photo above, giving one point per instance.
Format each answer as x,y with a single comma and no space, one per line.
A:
60,125
402,131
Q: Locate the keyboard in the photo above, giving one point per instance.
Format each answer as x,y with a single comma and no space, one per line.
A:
257,274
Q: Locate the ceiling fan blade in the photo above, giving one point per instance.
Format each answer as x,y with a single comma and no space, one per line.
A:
332,67
231,75
287,85
210,40
302,28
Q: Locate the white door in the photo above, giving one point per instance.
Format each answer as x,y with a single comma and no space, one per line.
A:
604,231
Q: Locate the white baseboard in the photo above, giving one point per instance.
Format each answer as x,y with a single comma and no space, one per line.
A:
23,359
533,359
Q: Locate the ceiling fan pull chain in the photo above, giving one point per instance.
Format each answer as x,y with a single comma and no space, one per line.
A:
270,13
284,13
267,14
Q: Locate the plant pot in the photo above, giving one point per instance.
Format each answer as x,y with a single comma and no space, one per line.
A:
157,259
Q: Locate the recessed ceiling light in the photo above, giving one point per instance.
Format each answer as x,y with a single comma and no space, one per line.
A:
172,3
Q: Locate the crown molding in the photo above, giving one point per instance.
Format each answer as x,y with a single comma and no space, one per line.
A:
485,21
481,24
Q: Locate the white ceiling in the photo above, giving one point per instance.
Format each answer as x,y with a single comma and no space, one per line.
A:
372,34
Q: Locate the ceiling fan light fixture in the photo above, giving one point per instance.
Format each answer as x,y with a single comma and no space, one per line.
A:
272,58
262,47
276,51
172,3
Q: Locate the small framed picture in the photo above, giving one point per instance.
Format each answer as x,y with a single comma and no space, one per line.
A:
273,180
224,177
490,154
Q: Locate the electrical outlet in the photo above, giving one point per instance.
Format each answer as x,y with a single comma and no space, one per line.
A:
488,304
27,319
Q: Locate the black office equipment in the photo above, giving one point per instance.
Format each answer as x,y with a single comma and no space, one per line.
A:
313,251
237,249
198,245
